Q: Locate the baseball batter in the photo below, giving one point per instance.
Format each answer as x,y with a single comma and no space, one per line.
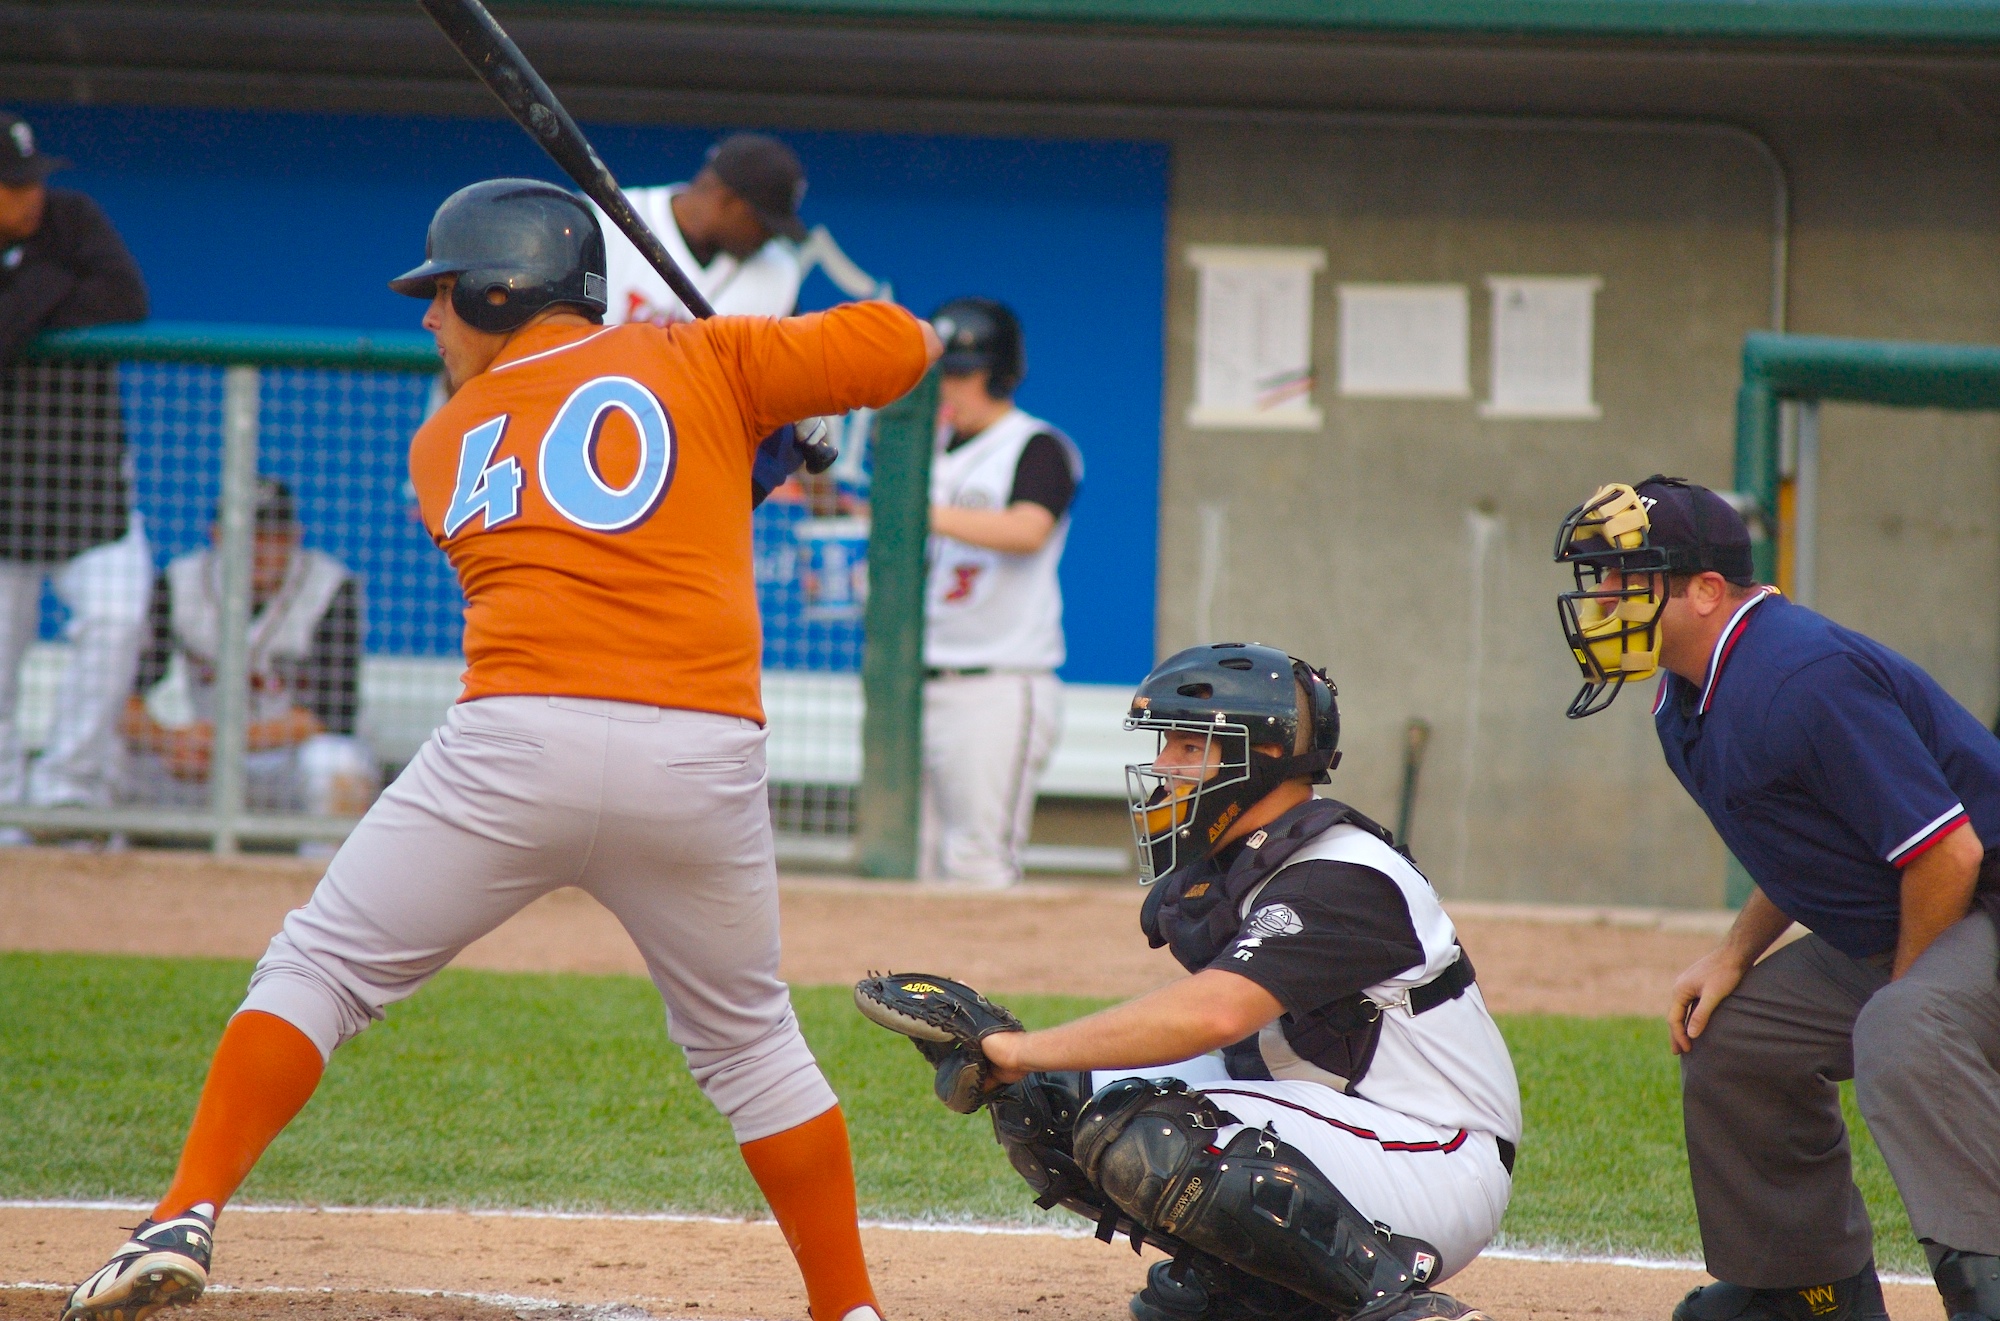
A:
1323,1116
588,485
1002,483
731,230
1859,796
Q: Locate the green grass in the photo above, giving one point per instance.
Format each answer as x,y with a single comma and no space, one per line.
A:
563,1092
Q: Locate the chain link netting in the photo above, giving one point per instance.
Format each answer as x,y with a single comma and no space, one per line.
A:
111,601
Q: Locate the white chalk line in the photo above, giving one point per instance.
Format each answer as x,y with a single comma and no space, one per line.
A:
1548,1256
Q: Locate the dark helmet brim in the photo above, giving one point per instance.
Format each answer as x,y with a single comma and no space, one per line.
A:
421,281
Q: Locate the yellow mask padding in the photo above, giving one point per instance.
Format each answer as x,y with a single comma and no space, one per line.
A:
1617,516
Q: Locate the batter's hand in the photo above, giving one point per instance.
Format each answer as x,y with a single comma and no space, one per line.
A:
1706,984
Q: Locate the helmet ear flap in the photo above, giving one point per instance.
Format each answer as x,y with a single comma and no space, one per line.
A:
472,298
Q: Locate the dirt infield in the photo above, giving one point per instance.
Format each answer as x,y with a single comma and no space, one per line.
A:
1045,937
459,1267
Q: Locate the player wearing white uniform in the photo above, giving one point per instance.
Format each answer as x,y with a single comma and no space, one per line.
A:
1322,1118
1002,483
731,229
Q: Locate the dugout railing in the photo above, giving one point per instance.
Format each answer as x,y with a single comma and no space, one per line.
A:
1785,379
206,409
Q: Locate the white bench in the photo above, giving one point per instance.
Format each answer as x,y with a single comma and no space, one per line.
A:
815,720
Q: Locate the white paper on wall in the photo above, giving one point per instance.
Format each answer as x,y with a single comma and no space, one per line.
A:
1253,337
1404,341
1543,328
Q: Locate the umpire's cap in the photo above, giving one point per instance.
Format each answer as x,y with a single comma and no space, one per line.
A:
982,333
516,246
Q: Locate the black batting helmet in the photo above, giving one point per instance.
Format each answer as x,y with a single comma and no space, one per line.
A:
516,246
1236,696
979,332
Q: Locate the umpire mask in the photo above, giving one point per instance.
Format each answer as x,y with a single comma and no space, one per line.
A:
1613,631
1211,707
1662,527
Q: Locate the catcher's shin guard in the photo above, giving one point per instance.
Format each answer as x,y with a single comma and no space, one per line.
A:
1034,1121
1258,1204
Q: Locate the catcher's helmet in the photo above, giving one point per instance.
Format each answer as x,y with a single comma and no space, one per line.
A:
979,332
1664,526
516,246
1235,696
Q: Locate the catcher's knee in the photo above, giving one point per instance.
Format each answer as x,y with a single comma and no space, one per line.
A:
1257,1204
1034,1121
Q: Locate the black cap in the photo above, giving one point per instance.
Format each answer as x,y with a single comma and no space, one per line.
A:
1701,531
276,511
19,161
765,173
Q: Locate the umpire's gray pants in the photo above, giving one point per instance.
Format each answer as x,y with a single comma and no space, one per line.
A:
1767,1148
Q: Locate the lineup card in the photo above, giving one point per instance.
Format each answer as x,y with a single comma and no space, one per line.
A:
1253,337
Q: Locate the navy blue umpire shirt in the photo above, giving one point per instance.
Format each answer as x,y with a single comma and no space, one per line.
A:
1827,763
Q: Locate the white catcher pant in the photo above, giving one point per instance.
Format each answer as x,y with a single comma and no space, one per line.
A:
106,589
987,740
1445,1186
659,814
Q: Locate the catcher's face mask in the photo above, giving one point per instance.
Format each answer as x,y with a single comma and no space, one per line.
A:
1612,620
1190,794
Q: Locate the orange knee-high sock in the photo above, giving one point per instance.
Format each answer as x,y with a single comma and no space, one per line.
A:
262,1075
807,1174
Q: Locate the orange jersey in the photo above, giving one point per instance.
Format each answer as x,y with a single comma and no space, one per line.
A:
592,489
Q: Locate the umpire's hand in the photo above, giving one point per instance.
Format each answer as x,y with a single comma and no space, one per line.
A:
1715,975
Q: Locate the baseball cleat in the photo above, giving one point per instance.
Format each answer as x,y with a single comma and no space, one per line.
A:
1425,1305
164,1264
1856,1298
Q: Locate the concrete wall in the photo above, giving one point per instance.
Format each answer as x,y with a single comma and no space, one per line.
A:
1897,241
1407,544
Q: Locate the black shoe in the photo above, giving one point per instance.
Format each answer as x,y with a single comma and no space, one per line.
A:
1422,1305
1856,1298
1166,1299
1214,1292
1969,1285
163,1264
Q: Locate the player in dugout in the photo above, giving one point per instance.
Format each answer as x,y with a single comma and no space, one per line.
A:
1319,1124
305,642
1861,798
591,486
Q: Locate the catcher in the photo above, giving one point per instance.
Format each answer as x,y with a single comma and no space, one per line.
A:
1320,1122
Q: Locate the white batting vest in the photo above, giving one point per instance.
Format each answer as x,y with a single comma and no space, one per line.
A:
984,607
1448,1066
281,634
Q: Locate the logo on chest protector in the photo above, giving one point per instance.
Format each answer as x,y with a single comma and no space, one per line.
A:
1276,920
1422,1267
1184,1201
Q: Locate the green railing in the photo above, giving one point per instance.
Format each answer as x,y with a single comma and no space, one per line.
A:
221,344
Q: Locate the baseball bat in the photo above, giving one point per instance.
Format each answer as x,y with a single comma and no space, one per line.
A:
507,74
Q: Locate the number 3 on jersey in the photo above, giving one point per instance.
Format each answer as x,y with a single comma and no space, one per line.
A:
566,465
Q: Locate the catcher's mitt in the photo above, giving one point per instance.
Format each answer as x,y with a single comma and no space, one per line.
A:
946,1020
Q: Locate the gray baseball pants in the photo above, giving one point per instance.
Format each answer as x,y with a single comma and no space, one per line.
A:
659,814
1767,1149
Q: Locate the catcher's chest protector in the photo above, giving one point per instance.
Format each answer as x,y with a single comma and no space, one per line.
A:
1198,910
